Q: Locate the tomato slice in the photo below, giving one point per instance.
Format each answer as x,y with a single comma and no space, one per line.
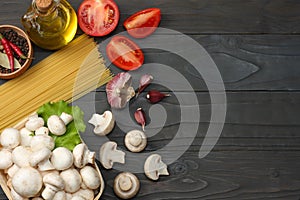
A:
124,53
98,17
143,23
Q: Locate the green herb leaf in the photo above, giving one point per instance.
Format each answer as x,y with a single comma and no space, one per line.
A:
71,138
4,62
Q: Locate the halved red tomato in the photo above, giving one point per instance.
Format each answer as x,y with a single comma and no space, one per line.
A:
143,23
124,53
98,17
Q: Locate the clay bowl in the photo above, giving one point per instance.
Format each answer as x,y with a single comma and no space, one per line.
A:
27,63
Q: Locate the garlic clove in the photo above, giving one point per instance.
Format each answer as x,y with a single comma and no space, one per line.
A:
145,80
140,118
155,96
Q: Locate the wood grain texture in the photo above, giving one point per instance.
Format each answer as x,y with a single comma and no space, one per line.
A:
255,45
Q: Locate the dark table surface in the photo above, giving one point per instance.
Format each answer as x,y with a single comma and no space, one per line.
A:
255,45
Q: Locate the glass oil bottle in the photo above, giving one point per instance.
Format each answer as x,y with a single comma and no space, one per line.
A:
50,24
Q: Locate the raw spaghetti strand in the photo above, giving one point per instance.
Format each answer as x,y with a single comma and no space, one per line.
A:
53,79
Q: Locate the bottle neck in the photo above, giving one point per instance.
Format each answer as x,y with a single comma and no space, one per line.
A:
45,7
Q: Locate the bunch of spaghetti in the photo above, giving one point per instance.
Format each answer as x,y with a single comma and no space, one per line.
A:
67,74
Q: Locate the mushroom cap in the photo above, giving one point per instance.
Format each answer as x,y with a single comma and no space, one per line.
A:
135,141
72,180
6,159
90,177
42,131
86,194
103,123
82,155
26,137
38,156
10,138
40,141
154,167
119,90
56,125
34,122
126,185
61,158
27,182
21,155
60,195
109,154
54,179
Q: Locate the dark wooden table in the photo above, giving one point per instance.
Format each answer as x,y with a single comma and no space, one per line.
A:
256,47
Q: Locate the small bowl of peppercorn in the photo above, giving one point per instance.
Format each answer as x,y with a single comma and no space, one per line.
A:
15,52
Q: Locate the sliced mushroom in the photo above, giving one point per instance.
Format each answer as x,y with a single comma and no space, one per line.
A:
34,122
6,159
135,141
42,131
40,141
41,159
103,123
72,180
27,182
53,183
126,185
20,156
82,155
26,137
154,167
57,124
10,138
109,155
61,158
90,177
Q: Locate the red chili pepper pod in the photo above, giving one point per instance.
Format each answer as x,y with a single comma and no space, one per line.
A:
8,52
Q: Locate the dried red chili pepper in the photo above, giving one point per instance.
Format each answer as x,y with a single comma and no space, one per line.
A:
16,49
6,46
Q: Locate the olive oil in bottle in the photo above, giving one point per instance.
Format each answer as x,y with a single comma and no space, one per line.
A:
50,24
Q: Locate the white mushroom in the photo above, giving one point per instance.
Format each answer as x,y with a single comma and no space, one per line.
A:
154,167
57,124
109,155
53,183
90,177
27,182
12,170
40,158
72,180
126,185
34,122
40,141
135,141
26,137
60,195
42,131
61,158
6,159
77,198
103,123
10,138
16,196
86,194
82,155
20,156
67,118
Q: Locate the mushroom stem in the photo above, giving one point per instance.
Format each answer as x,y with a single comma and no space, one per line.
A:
67,118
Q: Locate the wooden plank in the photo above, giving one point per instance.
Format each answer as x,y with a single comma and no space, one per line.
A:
223,175
194,16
